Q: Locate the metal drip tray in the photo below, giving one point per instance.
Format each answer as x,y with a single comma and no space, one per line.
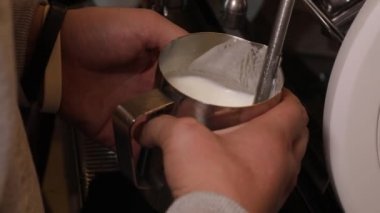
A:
93,159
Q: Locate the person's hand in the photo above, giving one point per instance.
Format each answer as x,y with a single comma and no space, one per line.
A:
255,163
108,56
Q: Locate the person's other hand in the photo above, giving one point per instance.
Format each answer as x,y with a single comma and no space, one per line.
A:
255,163
108,56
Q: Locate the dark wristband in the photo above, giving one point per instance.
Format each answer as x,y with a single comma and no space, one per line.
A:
34,72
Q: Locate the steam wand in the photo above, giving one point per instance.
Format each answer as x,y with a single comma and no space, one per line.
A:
273,56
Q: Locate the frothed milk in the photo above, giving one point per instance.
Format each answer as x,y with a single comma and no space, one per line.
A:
210,92
225,75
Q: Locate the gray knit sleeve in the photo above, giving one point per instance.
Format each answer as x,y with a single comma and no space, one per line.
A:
23,11
205,202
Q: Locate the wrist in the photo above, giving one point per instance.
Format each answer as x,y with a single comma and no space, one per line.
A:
52,85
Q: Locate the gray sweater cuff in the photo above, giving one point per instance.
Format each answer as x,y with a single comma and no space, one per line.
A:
205,202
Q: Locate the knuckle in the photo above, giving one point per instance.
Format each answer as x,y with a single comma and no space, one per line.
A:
304,114
297,108
301,112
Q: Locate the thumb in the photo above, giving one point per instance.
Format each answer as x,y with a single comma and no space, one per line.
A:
168,132
189,149
156,131
182,140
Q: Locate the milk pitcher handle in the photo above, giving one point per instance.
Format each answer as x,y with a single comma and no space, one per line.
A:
128,117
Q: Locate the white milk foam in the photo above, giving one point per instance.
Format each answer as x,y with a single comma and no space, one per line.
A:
210,92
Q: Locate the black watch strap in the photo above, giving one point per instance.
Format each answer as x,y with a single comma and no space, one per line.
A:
34,72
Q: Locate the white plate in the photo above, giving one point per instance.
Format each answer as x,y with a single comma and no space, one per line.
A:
351,119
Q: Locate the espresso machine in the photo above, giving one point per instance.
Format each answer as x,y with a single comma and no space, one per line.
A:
329,60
